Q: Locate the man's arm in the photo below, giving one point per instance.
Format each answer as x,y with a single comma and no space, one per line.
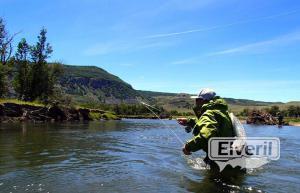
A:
191,122
207,125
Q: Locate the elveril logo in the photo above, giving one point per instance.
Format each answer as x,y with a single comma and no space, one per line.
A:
245,152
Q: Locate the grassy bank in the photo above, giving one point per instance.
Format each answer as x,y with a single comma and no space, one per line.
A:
18,110
292,121
20,102
106,116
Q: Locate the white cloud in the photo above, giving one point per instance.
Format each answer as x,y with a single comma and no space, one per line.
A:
149,13
256,47
261,46
178,33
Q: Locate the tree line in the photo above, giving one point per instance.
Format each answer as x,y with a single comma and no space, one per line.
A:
290,111
26,70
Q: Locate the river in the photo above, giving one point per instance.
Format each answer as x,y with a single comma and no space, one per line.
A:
129,156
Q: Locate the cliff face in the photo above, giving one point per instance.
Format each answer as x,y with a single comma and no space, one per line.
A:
89,83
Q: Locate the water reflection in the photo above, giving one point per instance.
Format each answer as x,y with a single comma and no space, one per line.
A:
139,155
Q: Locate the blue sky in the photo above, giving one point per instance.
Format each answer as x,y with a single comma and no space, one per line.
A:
243,49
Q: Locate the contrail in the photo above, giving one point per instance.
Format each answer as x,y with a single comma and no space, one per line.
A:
220,26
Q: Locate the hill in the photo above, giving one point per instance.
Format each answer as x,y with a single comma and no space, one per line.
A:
93,84
183,103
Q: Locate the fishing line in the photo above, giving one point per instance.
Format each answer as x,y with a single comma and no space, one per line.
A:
195,162
149,105
149,108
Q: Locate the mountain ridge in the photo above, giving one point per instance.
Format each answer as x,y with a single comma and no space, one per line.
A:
94,84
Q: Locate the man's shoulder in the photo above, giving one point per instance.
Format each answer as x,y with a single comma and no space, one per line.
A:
214,113
209,113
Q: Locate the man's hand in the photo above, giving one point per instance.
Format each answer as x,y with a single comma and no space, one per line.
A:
185,151
182,121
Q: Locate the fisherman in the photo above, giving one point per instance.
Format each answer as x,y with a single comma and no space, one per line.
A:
212,120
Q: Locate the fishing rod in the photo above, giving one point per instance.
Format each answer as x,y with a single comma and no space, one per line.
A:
147,105
194,161
150,108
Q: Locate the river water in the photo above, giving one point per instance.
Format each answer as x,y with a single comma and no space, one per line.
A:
129,156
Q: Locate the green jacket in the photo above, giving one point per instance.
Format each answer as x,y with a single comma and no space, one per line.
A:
212,121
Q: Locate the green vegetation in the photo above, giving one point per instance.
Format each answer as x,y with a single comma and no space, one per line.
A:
287,111
5,54
33,78
90,84
21,102
292,120
109,116
89,72
3,80
98,116
183,103
95,115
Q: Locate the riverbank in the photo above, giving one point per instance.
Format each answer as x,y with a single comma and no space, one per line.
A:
289,123
297,124
12,110
15,110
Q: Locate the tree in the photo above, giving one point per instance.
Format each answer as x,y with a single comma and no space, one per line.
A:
3,80
40,87
297,111
274,110
22,78
55,70
292,111
5,55
5,43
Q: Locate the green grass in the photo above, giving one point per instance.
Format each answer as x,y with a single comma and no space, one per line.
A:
95,116
292,120
20,102
109,116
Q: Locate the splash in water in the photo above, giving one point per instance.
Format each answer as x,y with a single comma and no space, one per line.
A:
196,163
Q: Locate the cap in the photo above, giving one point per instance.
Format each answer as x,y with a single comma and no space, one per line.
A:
205,94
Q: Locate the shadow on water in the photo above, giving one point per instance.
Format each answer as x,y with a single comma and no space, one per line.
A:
216,182
212,181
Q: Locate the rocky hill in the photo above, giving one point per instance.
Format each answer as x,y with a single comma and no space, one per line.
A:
90,83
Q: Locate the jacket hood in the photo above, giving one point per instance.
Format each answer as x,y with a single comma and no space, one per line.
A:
217,103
